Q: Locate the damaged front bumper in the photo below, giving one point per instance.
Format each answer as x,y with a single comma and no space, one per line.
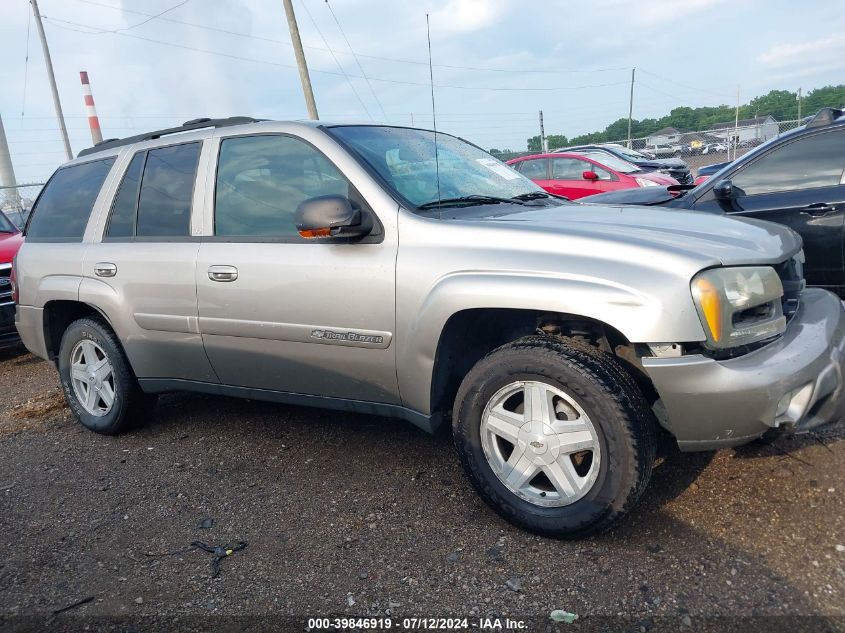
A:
796,381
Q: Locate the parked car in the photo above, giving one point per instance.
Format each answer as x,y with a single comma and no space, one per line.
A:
664,151
10,241
674,167
713,148
795,179
586,173
708,170
390,271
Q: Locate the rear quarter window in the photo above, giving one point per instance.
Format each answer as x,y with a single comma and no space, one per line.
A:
62,211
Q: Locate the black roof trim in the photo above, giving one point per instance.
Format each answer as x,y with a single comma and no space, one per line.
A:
187,126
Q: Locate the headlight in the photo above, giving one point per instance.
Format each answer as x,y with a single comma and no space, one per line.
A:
643,182
738,306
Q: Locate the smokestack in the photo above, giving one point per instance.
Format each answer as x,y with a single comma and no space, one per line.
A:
7,173
93,121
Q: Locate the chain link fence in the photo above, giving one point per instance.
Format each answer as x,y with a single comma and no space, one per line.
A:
719,143
16,202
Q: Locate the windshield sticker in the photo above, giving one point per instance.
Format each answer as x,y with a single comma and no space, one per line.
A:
503,170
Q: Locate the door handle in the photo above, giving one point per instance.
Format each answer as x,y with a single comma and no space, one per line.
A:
222,273
819,208
105,269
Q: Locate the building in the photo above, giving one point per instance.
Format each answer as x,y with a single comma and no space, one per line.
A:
755,130
665,136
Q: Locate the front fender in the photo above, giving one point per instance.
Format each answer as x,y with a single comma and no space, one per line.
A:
666,316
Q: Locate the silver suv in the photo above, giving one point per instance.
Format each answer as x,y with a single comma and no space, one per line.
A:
395,271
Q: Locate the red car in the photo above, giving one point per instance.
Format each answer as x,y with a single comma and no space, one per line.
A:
10,241
578,175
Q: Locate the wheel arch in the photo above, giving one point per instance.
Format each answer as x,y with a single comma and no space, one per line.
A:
59,314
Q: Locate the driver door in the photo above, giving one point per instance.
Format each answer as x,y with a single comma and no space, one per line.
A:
284,313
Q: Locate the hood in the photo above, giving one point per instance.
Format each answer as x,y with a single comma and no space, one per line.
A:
708,239
663,163
639,195
9,245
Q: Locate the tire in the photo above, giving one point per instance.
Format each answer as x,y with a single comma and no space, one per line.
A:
592,390
85,341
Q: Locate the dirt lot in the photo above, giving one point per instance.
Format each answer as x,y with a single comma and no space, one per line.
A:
354,515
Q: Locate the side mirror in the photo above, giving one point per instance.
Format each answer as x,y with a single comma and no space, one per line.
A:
330,217
590,175
724,190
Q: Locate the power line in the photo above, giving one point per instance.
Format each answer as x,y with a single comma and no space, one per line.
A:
334,57
361,68
59,23
418,62
677,83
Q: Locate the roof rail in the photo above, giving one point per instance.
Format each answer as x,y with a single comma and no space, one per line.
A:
825,116
193,124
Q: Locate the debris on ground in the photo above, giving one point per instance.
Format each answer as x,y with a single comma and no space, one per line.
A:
220,553
514,584
73,605
559,615
205,524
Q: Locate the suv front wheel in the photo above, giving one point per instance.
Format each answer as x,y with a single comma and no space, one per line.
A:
554,435
98,382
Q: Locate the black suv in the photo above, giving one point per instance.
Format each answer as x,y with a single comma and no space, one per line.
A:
796,179
674,167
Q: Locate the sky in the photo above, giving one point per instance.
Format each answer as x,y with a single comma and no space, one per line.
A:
496,63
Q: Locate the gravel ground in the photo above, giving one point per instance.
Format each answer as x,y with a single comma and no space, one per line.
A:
350,515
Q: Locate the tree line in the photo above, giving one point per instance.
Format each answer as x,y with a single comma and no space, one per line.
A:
781,104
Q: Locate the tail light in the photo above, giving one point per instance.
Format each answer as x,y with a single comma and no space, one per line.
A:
13,279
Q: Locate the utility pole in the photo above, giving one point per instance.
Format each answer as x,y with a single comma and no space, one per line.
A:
304,77
52,77
736,124
799,106
544,146
7,173
631,106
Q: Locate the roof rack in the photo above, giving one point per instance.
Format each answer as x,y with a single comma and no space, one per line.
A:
193,124
825,116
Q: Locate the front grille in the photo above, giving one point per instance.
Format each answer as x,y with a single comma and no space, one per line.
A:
791,273
5,283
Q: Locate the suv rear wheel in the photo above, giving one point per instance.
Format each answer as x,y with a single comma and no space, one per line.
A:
97,380
554,435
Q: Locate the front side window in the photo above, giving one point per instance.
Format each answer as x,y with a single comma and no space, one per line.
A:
534,169
261,180
65,205
808,163
167,186
405,160
569,168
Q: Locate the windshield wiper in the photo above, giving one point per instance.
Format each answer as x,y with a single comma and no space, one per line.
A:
467,201
536,195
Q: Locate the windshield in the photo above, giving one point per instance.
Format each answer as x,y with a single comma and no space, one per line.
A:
630,154
6,225
404,158
617,164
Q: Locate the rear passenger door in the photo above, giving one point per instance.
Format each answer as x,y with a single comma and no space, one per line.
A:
141,273
281,312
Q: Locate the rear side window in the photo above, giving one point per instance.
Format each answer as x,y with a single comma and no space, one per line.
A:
64,207
167,186
122,221
534,169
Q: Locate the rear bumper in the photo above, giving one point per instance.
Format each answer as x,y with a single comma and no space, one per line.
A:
30,326
796,381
